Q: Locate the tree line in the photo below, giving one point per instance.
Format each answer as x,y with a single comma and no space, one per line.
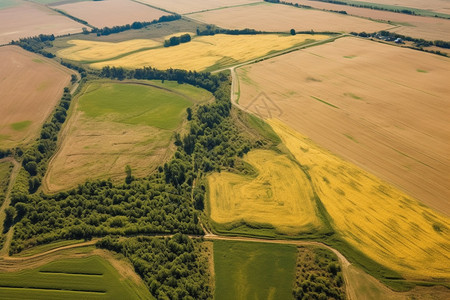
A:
212,30
36,44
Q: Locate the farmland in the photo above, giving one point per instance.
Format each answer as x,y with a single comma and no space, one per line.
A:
273,17
28,19
207,52
90,277
278,194
428,28
104,130
183,7
246,270
31,85
432,5
383,114
113,12
384,223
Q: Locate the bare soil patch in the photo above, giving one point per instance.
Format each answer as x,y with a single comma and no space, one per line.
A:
30,19
109,13
382,107
273,17
30,86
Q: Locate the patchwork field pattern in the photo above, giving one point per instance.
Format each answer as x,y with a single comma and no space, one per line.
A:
281,18
31,86
183,7
119,124
206,52
428,28
280,195
28,19
82,278
388,226
432,5
382,107
247,270
112,12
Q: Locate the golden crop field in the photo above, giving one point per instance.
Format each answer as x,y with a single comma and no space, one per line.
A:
201,53
30,85
381,221
83,50
382,107
275,17
280,194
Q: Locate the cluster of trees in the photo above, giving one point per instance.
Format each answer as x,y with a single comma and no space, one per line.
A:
176,40
212,30
5,153
171,267
319,275
418,43
36,44
162,203
35,158
135,25
75,67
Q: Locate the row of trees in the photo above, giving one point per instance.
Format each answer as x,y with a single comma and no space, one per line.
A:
212,30
172,268
36,44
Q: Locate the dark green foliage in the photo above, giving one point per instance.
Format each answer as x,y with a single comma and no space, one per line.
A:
171,267
212,30
161,203
10,214
293,31
176,40
5,153
71,17
37,44
319,275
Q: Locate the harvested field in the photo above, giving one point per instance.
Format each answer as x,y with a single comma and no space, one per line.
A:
117,124
281,18
29,19
111,12
280,194
390,227
30,87
428,28
433,5
382,107
208,52
183,6
91,277
248,270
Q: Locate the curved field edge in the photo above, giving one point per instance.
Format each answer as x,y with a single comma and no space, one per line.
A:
89,126
72,273
421,263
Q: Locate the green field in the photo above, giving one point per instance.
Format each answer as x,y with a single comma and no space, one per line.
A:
82,278
247,270
8,3
134,104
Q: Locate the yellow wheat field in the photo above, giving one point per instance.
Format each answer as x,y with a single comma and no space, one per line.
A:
203,51
279,195
381,221
83,50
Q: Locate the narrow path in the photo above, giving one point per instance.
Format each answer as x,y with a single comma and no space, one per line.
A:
16,167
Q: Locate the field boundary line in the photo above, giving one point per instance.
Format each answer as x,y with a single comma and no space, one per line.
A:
7,202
